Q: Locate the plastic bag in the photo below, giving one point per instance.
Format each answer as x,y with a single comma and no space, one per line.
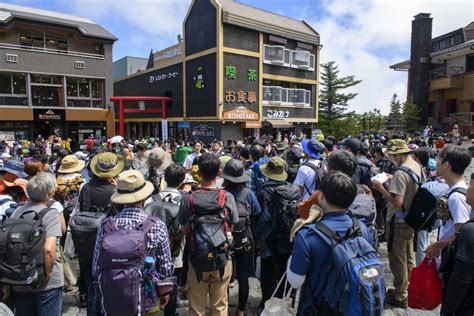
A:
425,289
279,306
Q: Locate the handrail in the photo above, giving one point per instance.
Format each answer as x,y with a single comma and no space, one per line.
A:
443,72
50,51
462,117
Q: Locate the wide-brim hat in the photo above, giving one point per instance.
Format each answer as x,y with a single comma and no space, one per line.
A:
71,164
131,188
107,165
312,148
234,171
159,159
395,147
14,167
275,169
22,183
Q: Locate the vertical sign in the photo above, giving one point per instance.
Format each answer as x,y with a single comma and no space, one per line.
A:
164,130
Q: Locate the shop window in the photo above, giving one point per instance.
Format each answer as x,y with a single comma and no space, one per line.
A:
47,96
276,55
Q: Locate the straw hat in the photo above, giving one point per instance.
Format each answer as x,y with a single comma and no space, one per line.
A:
71,164
107,165
132,188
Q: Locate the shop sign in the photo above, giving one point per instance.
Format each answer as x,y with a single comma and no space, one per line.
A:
203,130
199,78
49,115
240,113
183,125
278,113
7,136
231,73
164,130
163,76
240,96
86,131
169,54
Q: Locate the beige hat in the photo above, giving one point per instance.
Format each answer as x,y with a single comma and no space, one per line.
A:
71,164
131,188
159,159
107,165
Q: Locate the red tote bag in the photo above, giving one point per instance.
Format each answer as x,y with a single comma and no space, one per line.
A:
425,289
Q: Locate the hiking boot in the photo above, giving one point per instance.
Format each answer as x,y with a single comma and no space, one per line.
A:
391,300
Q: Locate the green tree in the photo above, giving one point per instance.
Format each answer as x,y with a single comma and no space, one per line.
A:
394,119
333,102
411,114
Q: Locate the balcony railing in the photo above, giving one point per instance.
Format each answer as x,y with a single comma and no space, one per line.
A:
443,72
462,118
50,51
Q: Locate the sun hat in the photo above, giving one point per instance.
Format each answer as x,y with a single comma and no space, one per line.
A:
81,155
71,164
294,155
396,146
312,147
281,146
131,188
234,171
6,156
159,159
14,167
22,183
107,165
188,179
275,169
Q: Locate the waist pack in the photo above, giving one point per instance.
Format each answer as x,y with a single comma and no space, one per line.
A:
242,232
22,249
209,236
122,255
167,210
284,210
355,284
84,225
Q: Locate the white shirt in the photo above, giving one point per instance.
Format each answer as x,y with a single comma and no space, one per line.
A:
8,202
188,162
305,178
459,209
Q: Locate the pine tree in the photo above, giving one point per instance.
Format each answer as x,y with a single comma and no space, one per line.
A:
411,114
333,102
394,119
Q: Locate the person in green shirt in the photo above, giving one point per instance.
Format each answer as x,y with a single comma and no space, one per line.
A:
182,151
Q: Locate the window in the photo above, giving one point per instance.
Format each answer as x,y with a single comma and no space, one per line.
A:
5,83
276,95
302,59
97,88
47,96
79,64
46,79
40,41
276,55
470,62
19,83
13,89
84,88
11,58
84,92
450,107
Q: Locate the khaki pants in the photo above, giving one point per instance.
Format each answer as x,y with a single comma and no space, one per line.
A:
401,257
211,284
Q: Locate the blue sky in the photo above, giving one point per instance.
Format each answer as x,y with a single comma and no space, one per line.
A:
364,37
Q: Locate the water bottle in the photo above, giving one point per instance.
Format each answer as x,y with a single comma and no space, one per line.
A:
149,262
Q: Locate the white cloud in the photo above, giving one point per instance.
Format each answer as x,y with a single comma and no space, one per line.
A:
365,37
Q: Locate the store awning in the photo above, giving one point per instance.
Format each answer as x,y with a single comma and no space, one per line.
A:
279,123
252,124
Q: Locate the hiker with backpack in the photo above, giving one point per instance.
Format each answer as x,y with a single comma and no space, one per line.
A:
12,194
400,194
157,161
165,206
334,253
256,177
30,239
364,166
279,202
91,207
207,217
128,246
451,164
312,170
248,208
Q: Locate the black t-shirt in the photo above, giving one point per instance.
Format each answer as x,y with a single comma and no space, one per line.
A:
465,243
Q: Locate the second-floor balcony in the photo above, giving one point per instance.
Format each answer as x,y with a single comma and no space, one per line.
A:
50,51
447,78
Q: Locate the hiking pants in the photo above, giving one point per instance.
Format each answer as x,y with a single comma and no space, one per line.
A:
44,303
212,284
401,257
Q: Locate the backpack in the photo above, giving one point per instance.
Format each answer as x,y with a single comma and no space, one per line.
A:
84,225
122,256
284,210
355,283
151,175
319,172
22,249
442,208
364,208
242,232
209,236
167,211
364,178
258,177
420,214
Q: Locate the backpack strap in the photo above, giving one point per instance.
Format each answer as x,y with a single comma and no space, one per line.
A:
412,174
316,178
463,191
108,225
147,224
38,215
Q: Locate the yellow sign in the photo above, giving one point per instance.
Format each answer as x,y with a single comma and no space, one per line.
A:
240,96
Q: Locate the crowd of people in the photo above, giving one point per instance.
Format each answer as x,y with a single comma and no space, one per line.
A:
151,223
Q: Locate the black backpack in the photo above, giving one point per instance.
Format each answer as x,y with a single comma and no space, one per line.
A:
319,172
364,208
167,210
420,213
210,238
242,232
22,249
84,225
284,211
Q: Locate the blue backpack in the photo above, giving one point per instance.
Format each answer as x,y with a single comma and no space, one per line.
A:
355,284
